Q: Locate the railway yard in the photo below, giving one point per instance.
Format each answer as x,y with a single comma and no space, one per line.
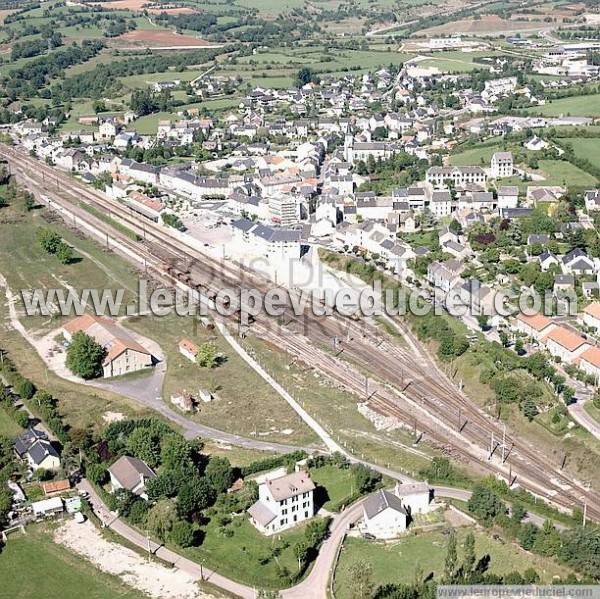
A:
399,381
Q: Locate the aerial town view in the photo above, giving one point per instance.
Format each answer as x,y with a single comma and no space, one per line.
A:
299,299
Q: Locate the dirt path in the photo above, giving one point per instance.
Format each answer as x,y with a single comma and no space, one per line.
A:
150,577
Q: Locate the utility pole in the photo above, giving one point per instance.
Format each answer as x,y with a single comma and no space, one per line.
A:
148,544
458,422
366,386
584,513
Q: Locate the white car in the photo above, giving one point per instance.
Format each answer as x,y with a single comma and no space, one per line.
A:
79,518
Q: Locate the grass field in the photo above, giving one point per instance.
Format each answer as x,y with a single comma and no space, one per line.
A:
397,561
337,483
576,106
33,562
585,148
478,156
239,556
8,427
246,404
559,172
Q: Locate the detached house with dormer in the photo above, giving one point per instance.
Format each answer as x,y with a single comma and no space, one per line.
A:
283,502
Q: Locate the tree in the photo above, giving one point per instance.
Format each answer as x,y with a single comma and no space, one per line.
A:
316,530
64,253
6,499
568,395
219,474
470,556
25,388
483,322
518,347
451,558
360,580
484,504
161,518
48,240
161,486
182,534
85,356
97,473
194,496
301,553
144,444
207,356
305,75
138,513
365,478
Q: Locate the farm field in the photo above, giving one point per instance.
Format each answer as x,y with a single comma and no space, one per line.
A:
487,25
397,561
31,562
158,38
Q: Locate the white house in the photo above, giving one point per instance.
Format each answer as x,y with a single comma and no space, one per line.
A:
283,502
131,474
508,196
387,514
535,326
384,515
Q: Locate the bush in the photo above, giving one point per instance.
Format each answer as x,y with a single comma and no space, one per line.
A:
22,418
25,388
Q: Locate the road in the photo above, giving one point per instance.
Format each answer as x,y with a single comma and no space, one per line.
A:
578,413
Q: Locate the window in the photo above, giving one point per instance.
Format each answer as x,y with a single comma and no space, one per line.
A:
306,514
295,518
284,512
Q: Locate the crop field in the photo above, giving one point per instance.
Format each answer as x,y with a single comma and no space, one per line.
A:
158,38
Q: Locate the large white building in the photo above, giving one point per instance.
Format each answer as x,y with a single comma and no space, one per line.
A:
502,165
459,175
283,502
273,244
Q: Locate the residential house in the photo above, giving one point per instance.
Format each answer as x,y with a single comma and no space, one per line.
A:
578,262
283,502
547,260
592,199
34,447
535,326
131,474
591,316
565,344
445,275
508,196
459,175
589,362
384,516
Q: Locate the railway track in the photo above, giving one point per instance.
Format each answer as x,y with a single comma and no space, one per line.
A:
405,384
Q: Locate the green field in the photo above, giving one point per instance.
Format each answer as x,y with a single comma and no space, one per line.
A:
336,483
559,172
239,556
31,565
478,156
585,148
397,561
588,106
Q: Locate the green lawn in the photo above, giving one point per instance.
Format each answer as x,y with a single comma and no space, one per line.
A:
336,484
148,125
8,427
397,561
31,565
479,156
576,106
239,556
